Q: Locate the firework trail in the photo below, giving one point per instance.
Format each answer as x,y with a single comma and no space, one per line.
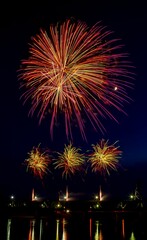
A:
76,72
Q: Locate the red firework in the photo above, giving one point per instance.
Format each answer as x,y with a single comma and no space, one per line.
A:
77,71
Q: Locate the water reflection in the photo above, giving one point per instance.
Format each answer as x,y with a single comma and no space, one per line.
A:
132,236
41,230
8,229
64,234
90,228
123,227
98,232
31,235
71,227
57,229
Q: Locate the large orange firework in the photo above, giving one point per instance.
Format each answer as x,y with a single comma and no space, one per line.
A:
104,157
70,161
37,161
78,72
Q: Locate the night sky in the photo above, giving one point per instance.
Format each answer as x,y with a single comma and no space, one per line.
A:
19,133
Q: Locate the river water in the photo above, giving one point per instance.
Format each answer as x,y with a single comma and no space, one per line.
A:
78,227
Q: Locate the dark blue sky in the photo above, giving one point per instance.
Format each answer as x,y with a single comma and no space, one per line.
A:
19,133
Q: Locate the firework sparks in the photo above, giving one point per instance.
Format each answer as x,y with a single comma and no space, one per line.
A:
37,162
70,161
78,72
104,157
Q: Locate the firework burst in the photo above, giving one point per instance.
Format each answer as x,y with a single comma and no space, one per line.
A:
77,72
70,161
37,162
104,157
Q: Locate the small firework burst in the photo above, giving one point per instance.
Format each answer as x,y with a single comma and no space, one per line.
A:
38,161
104,157
70,161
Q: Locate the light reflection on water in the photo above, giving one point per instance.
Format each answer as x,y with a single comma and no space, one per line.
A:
41,229
57,229
64,231
8,229
90,228
98,233
132,236
71,228
123,228
31,235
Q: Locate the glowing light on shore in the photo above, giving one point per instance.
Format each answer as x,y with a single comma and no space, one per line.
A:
100,194
33,195
67,193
